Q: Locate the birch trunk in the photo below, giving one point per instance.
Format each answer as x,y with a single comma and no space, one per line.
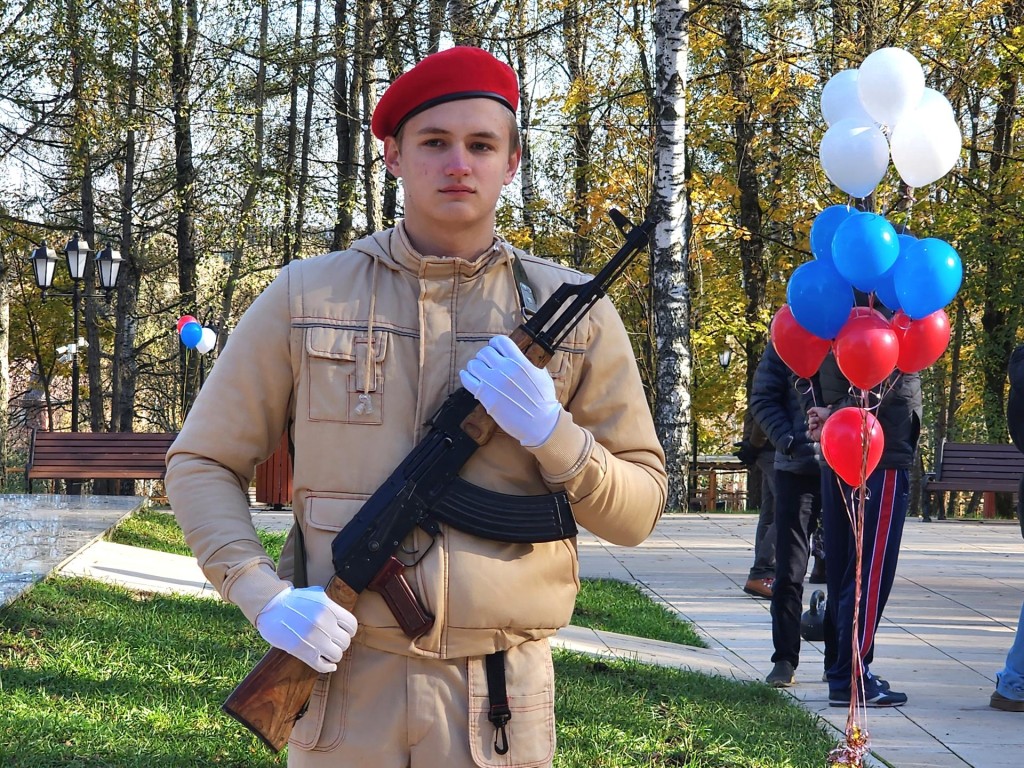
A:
673,412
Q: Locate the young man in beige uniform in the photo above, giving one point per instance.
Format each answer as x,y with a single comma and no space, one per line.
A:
352,353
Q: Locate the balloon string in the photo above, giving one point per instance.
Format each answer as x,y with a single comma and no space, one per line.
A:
856,742
808,391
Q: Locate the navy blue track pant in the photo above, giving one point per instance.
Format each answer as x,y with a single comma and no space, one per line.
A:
884,515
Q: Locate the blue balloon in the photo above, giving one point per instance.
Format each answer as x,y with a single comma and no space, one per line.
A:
864,248
928,278
819,298
824,228
885,290
191,334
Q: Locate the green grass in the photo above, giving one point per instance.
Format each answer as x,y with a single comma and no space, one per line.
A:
628,715
156,529
615,606
96,675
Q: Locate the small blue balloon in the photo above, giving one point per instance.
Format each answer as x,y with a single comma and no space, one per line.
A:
885,290
864,248
819,298
824,229
191,334
928,278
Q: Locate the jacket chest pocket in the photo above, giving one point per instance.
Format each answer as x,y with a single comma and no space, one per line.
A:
345,375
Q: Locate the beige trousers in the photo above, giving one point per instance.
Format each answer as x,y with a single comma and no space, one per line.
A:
381,710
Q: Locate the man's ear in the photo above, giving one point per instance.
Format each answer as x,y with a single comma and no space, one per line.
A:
392,156
513,166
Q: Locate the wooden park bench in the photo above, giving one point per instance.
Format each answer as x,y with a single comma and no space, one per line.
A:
97,455
975,467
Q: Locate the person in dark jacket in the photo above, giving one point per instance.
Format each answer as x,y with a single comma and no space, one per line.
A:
756,449
888,494
777,407
1009,693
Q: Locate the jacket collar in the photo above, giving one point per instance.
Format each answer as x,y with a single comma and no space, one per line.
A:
394,250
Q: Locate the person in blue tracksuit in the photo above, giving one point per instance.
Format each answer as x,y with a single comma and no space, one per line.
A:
898,410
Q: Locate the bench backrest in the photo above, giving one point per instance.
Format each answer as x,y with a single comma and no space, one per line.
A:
978,467
98,455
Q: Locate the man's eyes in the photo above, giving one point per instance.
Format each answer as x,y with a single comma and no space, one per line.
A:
476,146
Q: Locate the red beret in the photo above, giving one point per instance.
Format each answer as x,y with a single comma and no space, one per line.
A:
462,72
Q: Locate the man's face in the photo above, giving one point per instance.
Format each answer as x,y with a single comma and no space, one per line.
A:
453,160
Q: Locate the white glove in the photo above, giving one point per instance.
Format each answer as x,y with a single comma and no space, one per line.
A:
518,395
309,625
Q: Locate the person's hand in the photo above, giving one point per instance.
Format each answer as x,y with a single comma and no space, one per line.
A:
746,453
518,395
309,625
816,420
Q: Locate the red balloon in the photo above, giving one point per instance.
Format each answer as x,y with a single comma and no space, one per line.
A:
852,443
185,319
800,349
922,341
866,348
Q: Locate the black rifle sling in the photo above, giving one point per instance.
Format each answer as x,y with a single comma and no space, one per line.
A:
527,296
301,577
499,713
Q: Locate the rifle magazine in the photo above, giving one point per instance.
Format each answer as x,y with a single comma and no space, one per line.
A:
506,517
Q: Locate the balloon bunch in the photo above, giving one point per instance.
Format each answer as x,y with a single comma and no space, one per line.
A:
883,109
862,251
913,278
194,336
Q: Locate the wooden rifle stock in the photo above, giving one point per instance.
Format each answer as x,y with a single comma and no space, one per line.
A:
275,693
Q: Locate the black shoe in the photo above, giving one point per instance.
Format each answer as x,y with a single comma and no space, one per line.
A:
817,572
782,675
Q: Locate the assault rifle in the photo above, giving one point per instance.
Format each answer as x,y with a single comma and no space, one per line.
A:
424,491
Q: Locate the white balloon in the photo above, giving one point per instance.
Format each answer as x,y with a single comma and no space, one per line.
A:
936,105
925,148
890,84
840,100
207,341
854,156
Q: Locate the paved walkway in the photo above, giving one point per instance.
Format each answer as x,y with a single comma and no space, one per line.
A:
948,625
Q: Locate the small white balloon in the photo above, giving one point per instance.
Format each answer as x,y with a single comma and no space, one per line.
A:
890,84
207,341
854,157
840,99
925,148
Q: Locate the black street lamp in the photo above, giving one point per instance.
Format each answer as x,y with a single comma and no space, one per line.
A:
108,263
725,357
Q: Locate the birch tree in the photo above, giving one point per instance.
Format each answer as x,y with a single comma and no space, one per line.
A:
673,411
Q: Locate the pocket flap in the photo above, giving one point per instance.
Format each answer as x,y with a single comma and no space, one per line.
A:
333,512
343,344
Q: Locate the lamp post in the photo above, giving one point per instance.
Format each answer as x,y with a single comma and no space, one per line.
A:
108,264
724,358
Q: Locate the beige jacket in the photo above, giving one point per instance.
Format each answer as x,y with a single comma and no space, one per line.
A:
302,359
